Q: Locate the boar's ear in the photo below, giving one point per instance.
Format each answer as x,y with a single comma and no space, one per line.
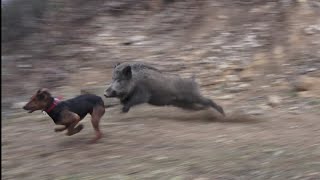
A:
116,65
127,72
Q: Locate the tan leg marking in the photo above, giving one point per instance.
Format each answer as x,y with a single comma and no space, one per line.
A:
97,113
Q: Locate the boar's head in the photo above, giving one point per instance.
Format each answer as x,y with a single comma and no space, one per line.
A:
122,83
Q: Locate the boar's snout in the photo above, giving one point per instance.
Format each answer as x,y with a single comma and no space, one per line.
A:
110,93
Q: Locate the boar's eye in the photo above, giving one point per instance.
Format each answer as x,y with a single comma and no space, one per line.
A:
127,73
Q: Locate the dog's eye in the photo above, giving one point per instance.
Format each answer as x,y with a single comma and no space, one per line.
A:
40,96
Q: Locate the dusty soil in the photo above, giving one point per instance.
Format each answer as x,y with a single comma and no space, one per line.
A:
246,55
164,143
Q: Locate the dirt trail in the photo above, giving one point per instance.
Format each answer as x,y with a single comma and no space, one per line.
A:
247,56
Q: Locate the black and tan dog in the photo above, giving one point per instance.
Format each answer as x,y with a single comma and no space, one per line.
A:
69,112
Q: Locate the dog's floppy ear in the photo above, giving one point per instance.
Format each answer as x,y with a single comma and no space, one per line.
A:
43,93
43,90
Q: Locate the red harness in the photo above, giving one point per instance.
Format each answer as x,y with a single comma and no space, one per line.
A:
54,104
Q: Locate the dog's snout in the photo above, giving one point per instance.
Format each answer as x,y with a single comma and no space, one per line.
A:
26,107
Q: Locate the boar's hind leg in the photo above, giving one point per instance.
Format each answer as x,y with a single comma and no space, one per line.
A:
208,102
187,105
137,98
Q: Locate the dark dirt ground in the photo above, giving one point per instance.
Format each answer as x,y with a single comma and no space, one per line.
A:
248,56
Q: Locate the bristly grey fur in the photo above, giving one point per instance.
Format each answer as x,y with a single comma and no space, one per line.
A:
137,83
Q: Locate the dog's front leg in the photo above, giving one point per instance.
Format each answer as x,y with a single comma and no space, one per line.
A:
71,120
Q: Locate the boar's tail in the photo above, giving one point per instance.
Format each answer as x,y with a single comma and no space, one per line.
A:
193,77
141,66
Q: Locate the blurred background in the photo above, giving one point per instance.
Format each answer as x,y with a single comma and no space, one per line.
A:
257,57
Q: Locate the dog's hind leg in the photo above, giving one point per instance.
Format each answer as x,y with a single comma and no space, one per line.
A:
97,113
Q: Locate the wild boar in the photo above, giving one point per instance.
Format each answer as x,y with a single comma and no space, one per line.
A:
137,83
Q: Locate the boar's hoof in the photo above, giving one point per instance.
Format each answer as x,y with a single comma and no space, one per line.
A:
125,109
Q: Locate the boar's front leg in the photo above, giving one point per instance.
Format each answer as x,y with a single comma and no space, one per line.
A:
139,97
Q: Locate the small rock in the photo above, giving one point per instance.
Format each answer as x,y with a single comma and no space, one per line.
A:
201,178
232,78
247,75
24,66
294,112
222,136
222,17
310,70
238,88
235,89
306,94
297,177
91,83
277,153
305,83
119,177
313,174
244,85
293,108
313,29
256,112
135,39
113,157
256,10
265,86
224,66
177,178
88,49
274,100
160,158
294,127
264,107
85,68
226,97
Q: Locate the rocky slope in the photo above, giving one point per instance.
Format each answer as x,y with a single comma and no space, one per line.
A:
258,58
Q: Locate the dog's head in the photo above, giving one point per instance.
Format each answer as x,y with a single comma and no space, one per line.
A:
39,101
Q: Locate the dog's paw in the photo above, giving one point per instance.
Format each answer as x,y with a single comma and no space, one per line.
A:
59,129
98,136
75,130
79,127
68,133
